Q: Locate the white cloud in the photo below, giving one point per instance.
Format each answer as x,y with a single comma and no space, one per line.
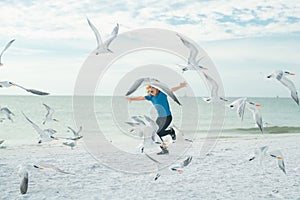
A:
46,28
66,19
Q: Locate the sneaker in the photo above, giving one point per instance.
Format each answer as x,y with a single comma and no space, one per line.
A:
173,135
164,150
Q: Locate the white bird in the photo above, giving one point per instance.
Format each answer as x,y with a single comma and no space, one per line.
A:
154,83
256,114
50,131
262,152
33,91
192,64
49,114
75,138
214,87
144,127
7,113
240,105
5,48
44,135
281,77
75,133
278,155
70,144
179,168
103,47
24,174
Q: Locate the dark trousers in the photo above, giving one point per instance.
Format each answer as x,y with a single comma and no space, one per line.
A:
163,123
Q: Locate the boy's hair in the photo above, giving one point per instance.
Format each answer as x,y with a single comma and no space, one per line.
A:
148,87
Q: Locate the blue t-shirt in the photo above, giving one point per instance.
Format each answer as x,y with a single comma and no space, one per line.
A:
160,103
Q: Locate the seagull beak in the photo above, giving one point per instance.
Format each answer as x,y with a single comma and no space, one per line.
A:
204,68
292,74
279,158
257,105
55,138
180,170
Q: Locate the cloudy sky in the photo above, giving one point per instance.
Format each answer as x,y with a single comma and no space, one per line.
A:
245,39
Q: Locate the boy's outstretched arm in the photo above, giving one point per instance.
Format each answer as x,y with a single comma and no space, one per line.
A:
181,85
135,98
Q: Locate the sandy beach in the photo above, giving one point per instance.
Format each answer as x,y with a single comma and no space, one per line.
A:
225,173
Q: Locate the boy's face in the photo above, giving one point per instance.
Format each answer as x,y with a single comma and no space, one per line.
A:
153,91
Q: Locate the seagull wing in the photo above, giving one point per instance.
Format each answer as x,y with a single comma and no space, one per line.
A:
24,181
49,113
49,166
193,50
73,131
37,92
33,91
241,108
290,85
80,129
36,127
96,32
6,47
256,115
134,124
165,89
135,86
278,155
7,111
214,87
112,37
153,125
240,105
138,120
187,161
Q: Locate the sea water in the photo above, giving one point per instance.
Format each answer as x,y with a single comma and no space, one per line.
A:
194,116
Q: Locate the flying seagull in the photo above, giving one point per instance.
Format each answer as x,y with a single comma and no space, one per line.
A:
24,169
262,152
71,144
193,63
24,175
44,135
75,138
7,113
49,114
144,127
179,168
33,91
75,133
281,77
256,114
5,48
154,83
103,47
214,87
279,157
240,105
